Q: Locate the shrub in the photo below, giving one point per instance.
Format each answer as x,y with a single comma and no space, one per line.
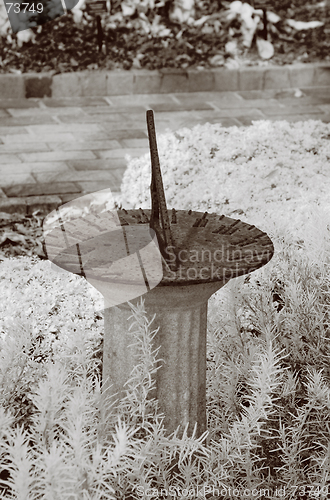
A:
268,376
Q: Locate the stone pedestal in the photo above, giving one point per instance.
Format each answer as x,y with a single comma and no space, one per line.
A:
181,315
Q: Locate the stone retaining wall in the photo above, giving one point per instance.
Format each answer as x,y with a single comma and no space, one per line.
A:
107,83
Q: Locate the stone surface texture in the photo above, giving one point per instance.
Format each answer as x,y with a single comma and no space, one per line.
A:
181,316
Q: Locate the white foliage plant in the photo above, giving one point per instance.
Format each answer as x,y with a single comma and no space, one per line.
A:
268,379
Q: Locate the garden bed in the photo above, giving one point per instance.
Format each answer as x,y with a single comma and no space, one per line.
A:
152,38
257,173
268,375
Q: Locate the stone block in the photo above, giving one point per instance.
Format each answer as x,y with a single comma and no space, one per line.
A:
126,134
322,75
121,153
37,189
17,103
13,205
48,112
37,85
104,164
12,130
69,197
231,113
134,143
40,138
251,78
188,97
118,174
277,78
24,121
23,147
141,99
93,83
74,176
292,118
174,80
289,110
93,186
114,110
91,145
54,156
325,108
146,82
11,179
55,128
7,158
225,122
317,92
12,87
201,81
66,85
99,118
192,105
301,75
110,127
226,80
119,82
74,101
45,203
31,168
94,136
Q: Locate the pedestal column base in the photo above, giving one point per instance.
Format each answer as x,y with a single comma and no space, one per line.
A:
181,315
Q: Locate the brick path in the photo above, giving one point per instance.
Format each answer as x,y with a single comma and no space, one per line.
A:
54,150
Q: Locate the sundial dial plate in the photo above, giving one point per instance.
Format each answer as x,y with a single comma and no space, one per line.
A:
223,247
192,247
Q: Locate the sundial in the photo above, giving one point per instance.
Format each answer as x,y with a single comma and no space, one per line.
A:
195,246
176,259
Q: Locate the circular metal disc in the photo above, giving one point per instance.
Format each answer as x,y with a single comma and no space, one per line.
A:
207,247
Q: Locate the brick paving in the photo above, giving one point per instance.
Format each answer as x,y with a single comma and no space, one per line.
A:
55,150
